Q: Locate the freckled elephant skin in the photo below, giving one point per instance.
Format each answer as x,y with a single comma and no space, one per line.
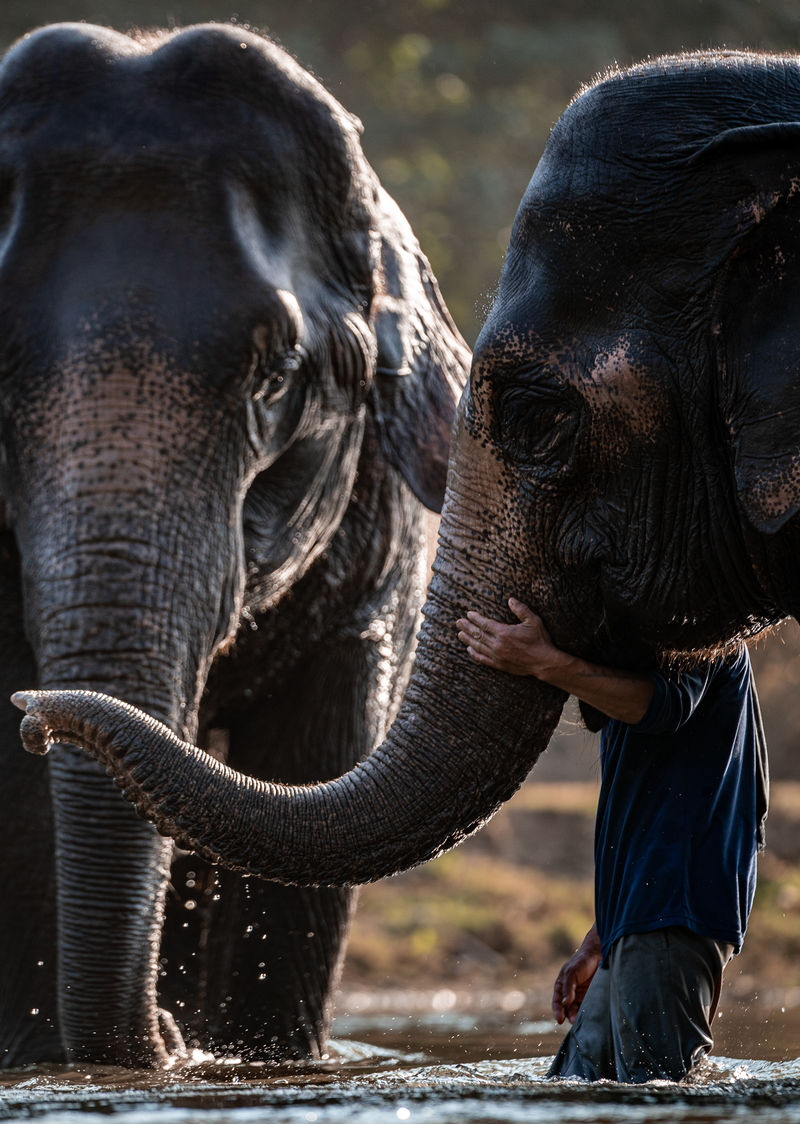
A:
228,384
624,459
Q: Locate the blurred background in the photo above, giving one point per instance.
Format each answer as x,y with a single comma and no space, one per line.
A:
457,99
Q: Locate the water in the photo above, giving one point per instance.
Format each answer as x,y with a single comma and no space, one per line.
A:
443,1060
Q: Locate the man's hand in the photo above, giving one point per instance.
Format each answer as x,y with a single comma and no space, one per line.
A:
520,649
573,980
526,649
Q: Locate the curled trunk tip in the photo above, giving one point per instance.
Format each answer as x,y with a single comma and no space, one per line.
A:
403,805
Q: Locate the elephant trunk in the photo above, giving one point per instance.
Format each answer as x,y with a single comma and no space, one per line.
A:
463,741
91,630
111,874
111,869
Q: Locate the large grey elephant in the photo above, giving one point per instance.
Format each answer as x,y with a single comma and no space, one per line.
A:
227,385
626,459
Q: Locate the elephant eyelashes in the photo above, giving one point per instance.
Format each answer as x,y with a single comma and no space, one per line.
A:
271,374
536,429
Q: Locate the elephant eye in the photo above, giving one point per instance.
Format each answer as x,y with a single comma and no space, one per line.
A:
537,428
271,374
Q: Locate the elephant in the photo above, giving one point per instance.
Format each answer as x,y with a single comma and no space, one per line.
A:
625,459
228,385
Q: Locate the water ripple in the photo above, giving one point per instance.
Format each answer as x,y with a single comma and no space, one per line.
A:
434,1066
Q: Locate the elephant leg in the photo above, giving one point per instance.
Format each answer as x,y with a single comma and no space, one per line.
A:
29,1030
249,966
272,968
270,955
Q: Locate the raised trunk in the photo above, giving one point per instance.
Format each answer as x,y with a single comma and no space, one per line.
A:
464,740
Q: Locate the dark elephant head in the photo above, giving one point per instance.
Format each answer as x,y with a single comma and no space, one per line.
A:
624,459
200,209
204,295
638,374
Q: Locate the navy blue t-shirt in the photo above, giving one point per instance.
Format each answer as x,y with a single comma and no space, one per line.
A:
682,803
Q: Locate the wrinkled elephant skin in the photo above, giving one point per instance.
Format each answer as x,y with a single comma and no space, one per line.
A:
228,385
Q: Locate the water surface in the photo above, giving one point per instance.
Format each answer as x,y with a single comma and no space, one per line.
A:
407,1058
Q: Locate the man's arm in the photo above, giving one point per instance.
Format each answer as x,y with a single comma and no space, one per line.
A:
526,649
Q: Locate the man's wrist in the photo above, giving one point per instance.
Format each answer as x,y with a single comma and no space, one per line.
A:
591,942
623,695
562,669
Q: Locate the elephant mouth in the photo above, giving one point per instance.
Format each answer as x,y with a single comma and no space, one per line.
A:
632,638
617,641
589,618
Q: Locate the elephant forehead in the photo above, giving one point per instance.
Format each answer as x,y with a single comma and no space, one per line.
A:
174,95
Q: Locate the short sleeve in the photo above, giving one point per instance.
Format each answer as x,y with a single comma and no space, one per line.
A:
675,698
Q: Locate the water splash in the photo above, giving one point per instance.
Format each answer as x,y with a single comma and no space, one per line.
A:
447,1070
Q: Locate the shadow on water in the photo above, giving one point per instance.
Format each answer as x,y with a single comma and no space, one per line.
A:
435,1062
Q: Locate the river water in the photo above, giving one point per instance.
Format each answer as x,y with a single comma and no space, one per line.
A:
441,1061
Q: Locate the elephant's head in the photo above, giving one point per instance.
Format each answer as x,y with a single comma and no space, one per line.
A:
638,377
624,459
205,296
203,290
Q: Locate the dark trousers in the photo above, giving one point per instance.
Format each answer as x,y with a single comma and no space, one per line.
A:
648,1013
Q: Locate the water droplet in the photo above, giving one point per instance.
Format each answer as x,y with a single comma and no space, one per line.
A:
190,904
34,1010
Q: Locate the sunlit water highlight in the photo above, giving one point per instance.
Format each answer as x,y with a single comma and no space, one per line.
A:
434,1062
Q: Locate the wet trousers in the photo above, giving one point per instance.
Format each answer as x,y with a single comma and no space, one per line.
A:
647,1014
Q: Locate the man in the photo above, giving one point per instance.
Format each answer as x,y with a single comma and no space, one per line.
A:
680,818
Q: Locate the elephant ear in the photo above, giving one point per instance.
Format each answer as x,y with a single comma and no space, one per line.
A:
422,361
758,329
